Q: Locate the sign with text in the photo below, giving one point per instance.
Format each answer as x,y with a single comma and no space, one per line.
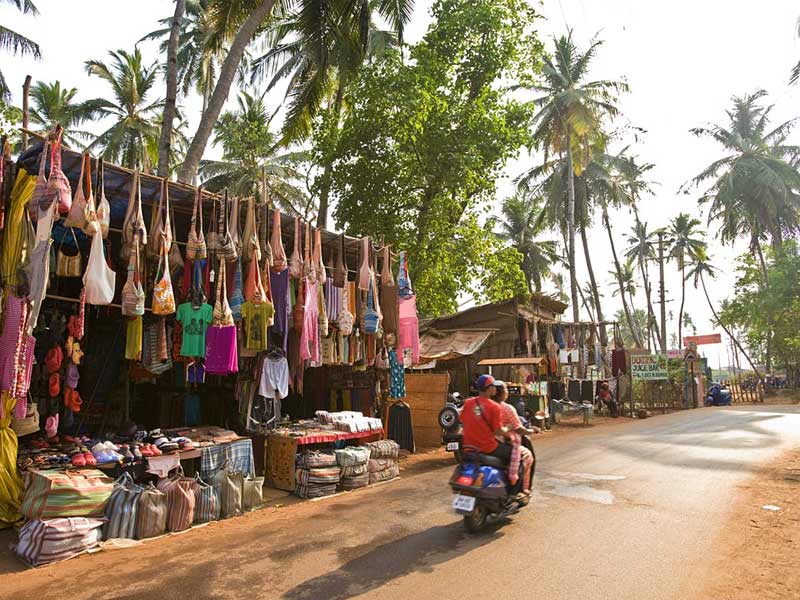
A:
648,367
675,353
712,338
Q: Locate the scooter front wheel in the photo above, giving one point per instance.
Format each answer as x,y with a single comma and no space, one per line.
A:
475,520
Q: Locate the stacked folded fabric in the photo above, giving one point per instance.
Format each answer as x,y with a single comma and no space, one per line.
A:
382,465
317,474
353,462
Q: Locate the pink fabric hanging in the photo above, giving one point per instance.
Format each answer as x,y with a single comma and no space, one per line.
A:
408,329
309,338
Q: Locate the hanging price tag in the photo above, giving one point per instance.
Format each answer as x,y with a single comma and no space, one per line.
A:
211,276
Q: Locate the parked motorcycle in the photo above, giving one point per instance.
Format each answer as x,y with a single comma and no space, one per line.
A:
718,395
482,490
450,422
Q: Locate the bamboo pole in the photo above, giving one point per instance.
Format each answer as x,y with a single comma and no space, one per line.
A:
25,111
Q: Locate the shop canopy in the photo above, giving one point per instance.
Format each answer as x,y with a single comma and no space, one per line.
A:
450,345
518,361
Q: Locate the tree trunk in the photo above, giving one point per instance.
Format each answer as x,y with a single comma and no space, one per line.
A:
325,183
573,275
661,291
651,321
165,140
683,300
595,291
728,331
586,304
227,74
628,317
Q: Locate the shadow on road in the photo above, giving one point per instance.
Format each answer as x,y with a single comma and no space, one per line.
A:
392,560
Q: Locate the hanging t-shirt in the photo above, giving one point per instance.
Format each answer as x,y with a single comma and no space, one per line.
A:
195,322
257,318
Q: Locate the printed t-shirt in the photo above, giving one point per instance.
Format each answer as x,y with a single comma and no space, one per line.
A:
195,321
479,430
257,318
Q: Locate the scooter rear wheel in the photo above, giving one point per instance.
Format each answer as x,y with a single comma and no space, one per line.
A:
476,520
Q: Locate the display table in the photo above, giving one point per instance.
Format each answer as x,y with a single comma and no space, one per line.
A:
281,449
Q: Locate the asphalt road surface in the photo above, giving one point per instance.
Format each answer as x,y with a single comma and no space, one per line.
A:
628,510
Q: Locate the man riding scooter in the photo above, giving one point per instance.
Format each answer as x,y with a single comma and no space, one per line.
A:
482,419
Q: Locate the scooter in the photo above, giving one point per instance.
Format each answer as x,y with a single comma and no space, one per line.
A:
450,422
718,396
482,490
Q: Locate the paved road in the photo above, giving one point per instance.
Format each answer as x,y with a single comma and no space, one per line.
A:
627,510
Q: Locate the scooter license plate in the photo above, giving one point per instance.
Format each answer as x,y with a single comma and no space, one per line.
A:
463,504
452,446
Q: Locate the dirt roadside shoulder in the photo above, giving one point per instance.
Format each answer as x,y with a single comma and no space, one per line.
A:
756,557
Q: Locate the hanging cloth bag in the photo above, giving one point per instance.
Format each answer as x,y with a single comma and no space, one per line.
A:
160,228
69,265
58,187
163,295
221,352
40,187
318,265
132,291
76,217
233,226
371,317
227,248
364,271
263,232
249,236
212,237
175,258
99,280
340,269
296,260
133,224
196,242
279,262
103,207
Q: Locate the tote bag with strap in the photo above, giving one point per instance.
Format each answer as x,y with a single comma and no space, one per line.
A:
279,262
227,247
45,542
58,187
99,279
133,223
296,260
252,493
78,493
228,487
69,265
206,507
212,237
40,187
163,295
76,217
180,494
196,242
121,509
151,513
103,207
249,235
160,228
132,291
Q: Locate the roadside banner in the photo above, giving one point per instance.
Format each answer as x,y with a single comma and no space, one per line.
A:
675,353
700,340
648,367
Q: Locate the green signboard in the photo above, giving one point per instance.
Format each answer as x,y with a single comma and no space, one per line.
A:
648,367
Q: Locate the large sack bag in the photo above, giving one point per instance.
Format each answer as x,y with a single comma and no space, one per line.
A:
151,513
386,474
180,493
53,494
352,456
317,459
121,509
253,493
379,464
205,501
228,487
383,449
43,542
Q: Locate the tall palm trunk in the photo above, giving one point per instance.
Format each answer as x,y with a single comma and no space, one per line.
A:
595,291
651,321
683,300
628,317
729,332
573,276
325,185
227,73
165,141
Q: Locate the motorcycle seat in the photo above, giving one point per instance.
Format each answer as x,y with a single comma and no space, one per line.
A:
491,461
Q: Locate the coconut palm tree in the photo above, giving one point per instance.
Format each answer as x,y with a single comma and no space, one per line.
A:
755,187
567,122
53,104
521,227
250,152
685,240
16,42
626,287
171,101
796,69
701,268
132,139
642,251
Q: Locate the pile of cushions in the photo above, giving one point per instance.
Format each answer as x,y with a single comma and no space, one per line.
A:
64,511
317,474
353,464
382,465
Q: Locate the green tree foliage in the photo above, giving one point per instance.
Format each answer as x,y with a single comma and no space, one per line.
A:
16,42
53,104
425,140
250,151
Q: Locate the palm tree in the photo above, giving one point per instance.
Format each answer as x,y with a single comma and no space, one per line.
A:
626,286
557,278
54,105
701,267
754,187
641,249
320,48
520,226
250,152
567,122
170,104
685,241
17,43
796,69
132,140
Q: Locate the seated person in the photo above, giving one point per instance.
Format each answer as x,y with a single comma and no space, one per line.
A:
605,397
518,451
481,418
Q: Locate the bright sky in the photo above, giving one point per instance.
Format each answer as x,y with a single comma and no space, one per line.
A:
683,61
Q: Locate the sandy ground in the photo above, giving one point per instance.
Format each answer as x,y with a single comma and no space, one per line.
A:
622,510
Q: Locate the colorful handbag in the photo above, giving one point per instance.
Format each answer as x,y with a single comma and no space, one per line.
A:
133,224
45,542
237,299
371,317
132,291
279,262
151,513
69,265
76,217
121,509
222,316
212,237
58,187
160,227
196,242
53,494
40,188
205,501
163,295
227,248
103,207
175,258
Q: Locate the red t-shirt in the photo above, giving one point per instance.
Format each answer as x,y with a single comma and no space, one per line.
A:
479,430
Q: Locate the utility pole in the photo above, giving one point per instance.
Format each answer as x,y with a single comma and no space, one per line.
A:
663,331
25,111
